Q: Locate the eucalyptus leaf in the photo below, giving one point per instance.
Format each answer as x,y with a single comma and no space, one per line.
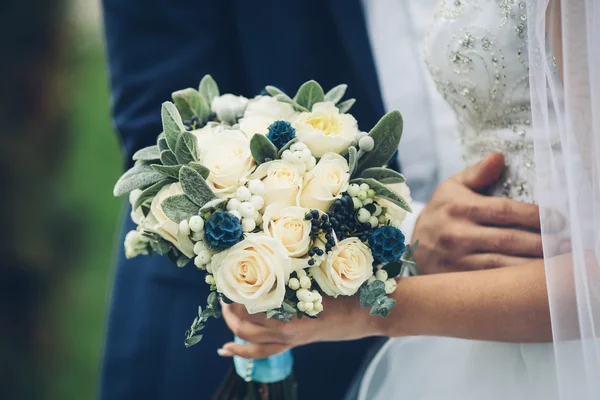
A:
201,169
273,91
386,134
162,144
352,159
160,245
369,292
383,175
308,94
147,154
336,94
140,176
345,106
167,157
185,150
212,205
208,89
193,340
382,306
262,149
171,171
149,193
195,187
286,147
182,261
172,123
383,192
187,102
225,299
179,207
284,98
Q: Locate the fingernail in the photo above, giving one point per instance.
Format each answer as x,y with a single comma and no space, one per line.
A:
224,353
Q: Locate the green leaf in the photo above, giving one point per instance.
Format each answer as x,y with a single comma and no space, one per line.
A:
195,187
149,193
393,269
212,205
386,134
201,169
182,261
284,98
167,157
352,159
160,245
147,154
187,102
192,340
369,292
262,149
336,93
162,144
382,306
179,207
273,91
185,150
172,123
308,94
383,175
140,176
408,259
171,171
286,147
384,193
226,300
345,106
208,89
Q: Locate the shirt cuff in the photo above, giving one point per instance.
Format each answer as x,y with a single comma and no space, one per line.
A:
408,225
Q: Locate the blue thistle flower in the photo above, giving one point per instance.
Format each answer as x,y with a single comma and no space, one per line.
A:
222,230
387,244
280,133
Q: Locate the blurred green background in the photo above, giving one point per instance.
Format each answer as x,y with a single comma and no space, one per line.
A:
92,167
59,159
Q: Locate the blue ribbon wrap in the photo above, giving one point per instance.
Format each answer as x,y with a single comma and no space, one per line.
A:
264,370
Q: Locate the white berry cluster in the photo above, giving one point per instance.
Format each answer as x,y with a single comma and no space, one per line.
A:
247,203
309,302
193,228
299,155
362,195
365,142
382,275
203,255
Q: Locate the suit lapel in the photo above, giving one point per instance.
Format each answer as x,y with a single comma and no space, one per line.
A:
349,19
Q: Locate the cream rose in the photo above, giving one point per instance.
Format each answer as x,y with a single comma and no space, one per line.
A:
137,216
226,154
261,112
157,221
229,108
289,226
253,272
325,130
325,182
282,181
396,213
345,269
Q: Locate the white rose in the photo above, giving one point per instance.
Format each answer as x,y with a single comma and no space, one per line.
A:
325,130
345,269
325,182
398,214
158,222
226,154
282,181
253,272
229,108
289,226
205,135
136,215
261,112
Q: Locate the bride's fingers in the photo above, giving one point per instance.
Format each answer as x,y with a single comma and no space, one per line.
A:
252,350
490,261
248,330
507,241
505,212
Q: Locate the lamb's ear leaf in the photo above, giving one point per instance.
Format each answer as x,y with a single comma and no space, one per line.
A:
383,175
336,94
150,192
345,106
149,153
386,134
179,207
262,149
187,102
208,89
140,176
185,150
308,94
172,124
194,186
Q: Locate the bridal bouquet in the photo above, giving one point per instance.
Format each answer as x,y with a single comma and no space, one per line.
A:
280,200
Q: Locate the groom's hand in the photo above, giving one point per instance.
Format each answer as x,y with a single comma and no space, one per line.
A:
461,229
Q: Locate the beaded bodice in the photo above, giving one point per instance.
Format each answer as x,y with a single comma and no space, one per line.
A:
476,52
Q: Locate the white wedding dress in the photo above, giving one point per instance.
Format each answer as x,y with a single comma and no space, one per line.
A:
477,54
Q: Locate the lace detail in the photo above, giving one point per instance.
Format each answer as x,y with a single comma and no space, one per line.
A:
477,55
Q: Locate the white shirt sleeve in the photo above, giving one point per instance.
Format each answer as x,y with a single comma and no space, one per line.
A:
408,225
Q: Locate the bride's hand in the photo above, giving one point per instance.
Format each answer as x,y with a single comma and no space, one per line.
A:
342,319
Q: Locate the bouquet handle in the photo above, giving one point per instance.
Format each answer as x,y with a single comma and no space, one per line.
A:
265,370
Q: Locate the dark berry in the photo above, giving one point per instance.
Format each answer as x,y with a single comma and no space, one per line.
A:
311,262
311,253
308,217
315,213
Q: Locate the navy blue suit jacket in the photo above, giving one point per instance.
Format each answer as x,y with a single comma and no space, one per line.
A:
156,47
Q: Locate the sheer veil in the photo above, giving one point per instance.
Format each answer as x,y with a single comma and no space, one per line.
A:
564,57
